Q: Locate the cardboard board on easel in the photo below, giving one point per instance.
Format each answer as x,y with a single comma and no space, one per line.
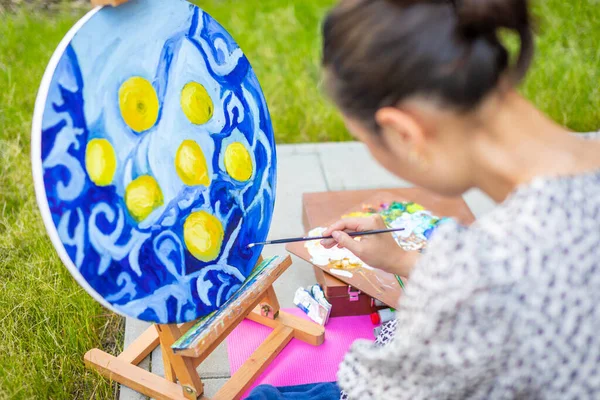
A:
321,209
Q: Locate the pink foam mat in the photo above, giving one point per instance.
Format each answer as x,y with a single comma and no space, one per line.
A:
299,363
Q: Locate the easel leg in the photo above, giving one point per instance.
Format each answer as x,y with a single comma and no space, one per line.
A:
132,376
285,327
307,331
183,367
169,373
235,387
140,347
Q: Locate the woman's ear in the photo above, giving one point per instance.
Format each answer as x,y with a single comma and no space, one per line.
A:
400,130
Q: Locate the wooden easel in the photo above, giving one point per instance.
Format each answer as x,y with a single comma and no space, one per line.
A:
258,303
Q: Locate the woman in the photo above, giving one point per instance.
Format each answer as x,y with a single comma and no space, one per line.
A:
505,308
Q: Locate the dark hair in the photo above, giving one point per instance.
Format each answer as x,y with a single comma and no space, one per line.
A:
379,52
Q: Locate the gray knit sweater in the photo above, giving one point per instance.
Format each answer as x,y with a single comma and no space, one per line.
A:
506,308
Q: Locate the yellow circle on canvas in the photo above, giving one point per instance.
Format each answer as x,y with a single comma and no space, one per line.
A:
138,103
142,196
190,164
238,162
203,235
196,103
100,161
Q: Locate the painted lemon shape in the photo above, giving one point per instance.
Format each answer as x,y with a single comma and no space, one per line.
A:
142,196
138,103
190,164
238,162
203,235
100,161
196,103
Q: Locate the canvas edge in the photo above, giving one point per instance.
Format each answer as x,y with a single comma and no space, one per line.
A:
36,160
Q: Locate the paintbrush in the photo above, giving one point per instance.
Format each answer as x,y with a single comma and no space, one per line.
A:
308,238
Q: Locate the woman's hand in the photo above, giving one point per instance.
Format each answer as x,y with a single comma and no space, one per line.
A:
379,251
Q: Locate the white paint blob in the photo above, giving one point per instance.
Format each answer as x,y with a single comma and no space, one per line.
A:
322,256
341,272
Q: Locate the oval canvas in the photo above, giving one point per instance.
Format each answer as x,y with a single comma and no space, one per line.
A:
154,159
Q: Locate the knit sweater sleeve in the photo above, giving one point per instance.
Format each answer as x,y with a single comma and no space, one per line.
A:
453,334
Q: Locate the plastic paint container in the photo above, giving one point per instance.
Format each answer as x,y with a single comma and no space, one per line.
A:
377,331
382,316
377,303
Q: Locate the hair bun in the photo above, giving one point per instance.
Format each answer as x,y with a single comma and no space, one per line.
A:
478,18
483,16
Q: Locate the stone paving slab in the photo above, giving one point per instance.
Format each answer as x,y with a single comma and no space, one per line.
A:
212,386
302,168
350,166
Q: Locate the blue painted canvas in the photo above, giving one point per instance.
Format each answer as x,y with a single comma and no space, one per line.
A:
154,159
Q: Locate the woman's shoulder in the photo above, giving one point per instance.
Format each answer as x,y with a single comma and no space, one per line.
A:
541,225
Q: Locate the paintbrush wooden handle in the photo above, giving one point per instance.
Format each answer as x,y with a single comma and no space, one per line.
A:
373,232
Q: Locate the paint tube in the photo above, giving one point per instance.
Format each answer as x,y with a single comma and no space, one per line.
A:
300,300
307,303
386,315
382,316
319,295
377,303
377,331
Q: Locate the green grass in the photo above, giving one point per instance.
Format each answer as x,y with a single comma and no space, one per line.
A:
565,79
282,41
46,321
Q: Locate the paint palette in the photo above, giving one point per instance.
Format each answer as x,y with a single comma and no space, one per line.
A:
154,159
418,225
414,209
